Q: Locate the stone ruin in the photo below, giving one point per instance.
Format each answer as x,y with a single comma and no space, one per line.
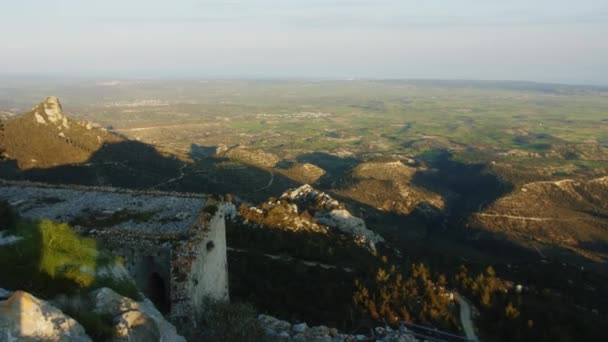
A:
173,244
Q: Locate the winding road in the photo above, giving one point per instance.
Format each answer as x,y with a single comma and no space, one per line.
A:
465,318
270,181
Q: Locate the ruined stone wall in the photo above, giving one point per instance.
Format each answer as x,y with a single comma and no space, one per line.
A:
199,266
176,261
209,272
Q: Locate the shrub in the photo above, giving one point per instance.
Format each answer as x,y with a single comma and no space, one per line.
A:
511,311
66,255
226,322
100,327
52,259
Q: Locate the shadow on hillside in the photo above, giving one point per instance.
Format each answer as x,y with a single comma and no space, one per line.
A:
128,164
335,167
466,188
136,165
279,270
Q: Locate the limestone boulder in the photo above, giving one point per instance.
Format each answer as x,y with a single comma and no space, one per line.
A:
134,321
135,326
24,317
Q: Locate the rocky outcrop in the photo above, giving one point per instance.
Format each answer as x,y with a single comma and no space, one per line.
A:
331,213
344,221
388,186
136,326
24,317
50,112
279,330
134,321
46,137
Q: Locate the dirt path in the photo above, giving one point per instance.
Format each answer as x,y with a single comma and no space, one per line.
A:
465,318
269,182
181,176
302,261
525,218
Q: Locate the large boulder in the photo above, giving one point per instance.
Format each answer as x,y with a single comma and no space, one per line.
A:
24,317
134,321
136,326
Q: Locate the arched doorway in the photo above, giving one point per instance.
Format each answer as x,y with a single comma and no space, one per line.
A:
157,293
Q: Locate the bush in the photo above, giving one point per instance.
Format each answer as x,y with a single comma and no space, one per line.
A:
226,322
51,259
8,217
100,327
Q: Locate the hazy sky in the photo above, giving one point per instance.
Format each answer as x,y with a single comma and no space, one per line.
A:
539,40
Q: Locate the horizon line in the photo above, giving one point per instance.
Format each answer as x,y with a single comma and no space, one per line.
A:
112,77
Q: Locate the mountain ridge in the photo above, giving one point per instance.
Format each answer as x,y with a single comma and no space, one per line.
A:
46,137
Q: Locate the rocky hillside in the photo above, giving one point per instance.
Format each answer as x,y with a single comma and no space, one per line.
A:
252,157
108,316
58,286
387,185
570,214
46,137
331,213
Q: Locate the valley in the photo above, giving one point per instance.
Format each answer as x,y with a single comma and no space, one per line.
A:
506,175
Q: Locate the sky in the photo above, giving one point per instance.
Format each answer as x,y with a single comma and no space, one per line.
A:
536,40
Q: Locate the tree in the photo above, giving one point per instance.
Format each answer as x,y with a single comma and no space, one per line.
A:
391,296
511,312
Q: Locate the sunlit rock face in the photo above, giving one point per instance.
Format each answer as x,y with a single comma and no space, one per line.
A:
27,318
53,109
50,111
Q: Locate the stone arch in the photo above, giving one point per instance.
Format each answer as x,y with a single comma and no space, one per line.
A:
151,274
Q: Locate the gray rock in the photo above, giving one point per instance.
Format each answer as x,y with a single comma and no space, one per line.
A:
282,326
284,336
299,328
27,318
109,302
270,332
142,314
301,337
267,320
135,326
320,330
